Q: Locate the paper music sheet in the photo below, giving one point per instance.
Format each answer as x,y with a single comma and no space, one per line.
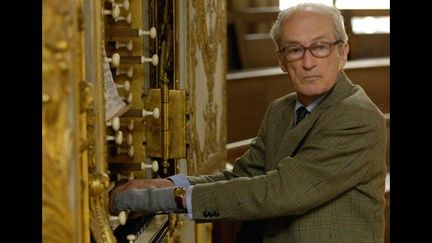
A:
114,104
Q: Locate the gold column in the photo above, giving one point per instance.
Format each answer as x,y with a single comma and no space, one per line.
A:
63,209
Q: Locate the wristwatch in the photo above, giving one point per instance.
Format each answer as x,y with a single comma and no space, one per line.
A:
179,194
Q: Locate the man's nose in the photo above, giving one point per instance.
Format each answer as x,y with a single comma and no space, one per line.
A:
309,61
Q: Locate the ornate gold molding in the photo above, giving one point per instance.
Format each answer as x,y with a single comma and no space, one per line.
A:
207,33
58,195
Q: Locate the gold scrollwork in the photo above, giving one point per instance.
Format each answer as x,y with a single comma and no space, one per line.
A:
57,135
99,223
207,32
86,97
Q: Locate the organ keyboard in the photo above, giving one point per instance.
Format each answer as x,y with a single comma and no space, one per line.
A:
146,229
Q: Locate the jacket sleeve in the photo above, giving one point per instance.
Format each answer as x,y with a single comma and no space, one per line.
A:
338,155
251,163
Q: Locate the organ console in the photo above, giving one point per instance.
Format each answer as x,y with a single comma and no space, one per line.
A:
145,147
130,125
118,97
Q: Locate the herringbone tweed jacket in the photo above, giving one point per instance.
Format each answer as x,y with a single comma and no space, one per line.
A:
321,181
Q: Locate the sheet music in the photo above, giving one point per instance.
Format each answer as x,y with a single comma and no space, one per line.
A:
113,102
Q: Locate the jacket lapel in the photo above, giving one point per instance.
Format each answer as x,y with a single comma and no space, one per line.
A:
286,119
293,137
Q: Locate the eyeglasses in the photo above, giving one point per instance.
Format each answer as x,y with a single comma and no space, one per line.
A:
297,51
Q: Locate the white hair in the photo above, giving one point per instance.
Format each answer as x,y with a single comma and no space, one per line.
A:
332,12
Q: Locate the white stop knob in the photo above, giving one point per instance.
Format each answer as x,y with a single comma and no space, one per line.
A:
115,60
131,238
119,138
122,217
131,125
153,32
155,60
129,18
126,85
126,5
155,166
156,113
116,123
129,139
115,11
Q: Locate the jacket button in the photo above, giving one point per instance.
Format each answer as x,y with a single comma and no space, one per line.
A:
205,213
216,213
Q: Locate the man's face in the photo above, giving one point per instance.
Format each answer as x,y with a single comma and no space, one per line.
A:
312,76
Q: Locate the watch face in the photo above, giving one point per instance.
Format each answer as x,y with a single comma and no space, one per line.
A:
178,197
180,191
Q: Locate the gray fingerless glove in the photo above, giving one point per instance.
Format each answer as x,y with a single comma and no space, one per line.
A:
149,200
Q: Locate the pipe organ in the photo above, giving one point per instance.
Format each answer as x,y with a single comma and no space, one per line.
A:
121,101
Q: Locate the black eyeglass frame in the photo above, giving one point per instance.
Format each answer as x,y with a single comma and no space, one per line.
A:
282,51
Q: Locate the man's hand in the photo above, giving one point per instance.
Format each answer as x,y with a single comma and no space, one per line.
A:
137,184
147,200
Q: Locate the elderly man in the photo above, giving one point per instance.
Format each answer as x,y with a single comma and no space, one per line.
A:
316,170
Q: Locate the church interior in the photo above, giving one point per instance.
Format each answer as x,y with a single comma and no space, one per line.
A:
136,89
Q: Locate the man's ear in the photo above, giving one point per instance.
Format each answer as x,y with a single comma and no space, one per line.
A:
344,55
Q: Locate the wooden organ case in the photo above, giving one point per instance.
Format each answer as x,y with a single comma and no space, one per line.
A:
112,100
130,89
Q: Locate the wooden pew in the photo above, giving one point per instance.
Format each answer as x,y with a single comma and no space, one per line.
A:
237,149
250,92
366,45
253,48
